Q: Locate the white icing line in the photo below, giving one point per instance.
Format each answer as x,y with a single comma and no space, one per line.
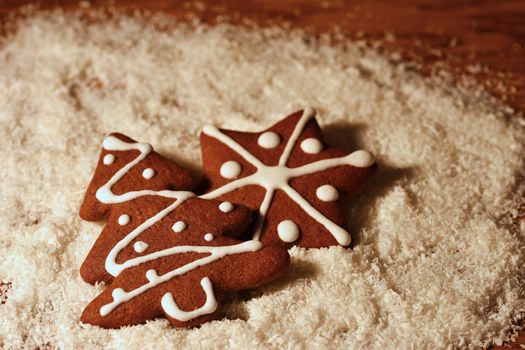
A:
229,187
359,159
212,131
308,113
263,210
172,309
340,234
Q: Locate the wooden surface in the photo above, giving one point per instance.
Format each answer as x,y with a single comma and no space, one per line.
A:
483,40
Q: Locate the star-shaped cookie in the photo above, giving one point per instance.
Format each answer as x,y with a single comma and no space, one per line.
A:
290,176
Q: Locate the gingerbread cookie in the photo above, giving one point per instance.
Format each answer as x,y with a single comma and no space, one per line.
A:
165,252
290,176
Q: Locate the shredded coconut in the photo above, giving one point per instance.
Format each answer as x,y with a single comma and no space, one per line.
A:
437,261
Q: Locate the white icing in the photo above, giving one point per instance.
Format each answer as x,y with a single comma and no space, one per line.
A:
311,146
278,177
226,207
209,237
148,173
124,219
108,159
171,308
179,226
269,139
231,169
140,246
327,193
288,231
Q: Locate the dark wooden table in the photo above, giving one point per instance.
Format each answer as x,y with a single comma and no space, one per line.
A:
479,40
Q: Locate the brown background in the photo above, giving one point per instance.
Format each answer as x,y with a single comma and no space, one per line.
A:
483,40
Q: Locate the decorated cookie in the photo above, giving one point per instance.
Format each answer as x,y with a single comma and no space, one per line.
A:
141,168
165,252
290,176
179,267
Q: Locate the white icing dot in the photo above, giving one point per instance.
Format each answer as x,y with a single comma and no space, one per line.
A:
209,237
140,246
269,140
148,173
311,146
226,207
231,169
124,219
108,159
327,193
179,226
288,231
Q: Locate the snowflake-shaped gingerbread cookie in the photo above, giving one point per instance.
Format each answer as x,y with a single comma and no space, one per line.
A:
286,173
